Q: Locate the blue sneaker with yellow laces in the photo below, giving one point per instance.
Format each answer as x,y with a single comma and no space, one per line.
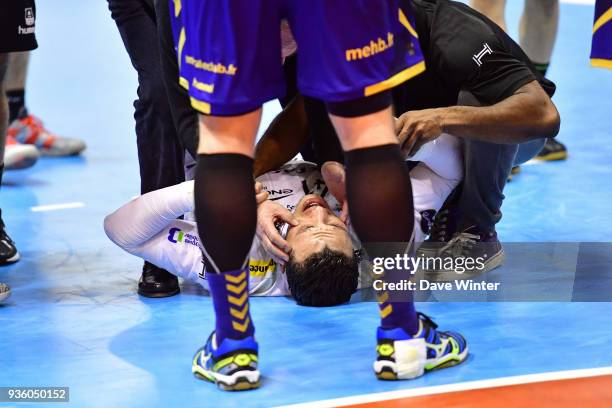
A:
232,365
401,356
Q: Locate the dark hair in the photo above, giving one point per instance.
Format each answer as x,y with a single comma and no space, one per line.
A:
327,278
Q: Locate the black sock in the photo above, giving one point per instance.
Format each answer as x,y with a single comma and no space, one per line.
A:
541,67
16,102
381,208
225,209
379,194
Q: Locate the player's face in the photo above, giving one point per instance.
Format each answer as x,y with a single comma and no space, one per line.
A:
318,227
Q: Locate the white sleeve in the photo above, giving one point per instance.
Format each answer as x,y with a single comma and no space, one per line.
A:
139,220
175,248
148,227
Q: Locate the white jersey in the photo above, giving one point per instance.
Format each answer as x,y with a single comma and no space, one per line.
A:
176,247
148,226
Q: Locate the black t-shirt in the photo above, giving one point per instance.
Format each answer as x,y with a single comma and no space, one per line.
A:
463,50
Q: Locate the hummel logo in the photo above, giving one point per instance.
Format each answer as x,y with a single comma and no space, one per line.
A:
478,57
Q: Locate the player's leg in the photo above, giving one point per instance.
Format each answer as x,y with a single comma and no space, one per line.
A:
159,154
538,32
370,49
25,127
8,251
184,117
15,84
4,111
228,81
494,9
17,31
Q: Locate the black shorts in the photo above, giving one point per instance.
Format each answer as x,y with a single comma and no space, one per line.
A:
17,24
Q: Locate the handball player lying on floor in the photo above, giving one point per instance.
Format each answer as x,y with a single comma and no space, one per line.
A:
300,210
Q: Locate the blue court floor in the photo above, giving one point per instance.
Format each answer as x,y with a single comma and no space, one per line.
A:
75,320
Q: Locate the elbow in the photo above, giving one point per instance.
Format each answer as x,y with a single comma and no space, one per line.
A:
550,121
112,231
545,120
108,228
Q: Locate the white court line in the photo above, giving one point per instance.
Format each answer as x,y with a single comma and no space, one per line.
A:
55,207
462,386
582,2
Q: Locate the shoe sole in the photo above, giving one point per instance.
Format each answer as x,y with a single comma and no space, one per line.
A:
10,260
21,163
389,372
47,153
5,295
492,263
239,381
556,156
157,295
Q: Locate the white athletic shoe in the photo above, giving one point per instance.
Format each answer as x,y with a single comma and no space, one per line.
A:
5,292
19,156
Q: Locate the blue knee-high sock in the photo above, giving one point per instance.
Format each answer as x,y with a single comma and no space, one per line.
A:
226,213
381,208
230,293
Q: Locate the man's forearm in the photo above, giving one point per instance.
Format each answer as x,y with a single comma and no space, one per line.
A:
528,114
283,139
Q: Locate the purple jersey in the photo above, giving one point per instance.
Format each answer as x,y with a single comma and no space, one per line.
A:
601,51
230,50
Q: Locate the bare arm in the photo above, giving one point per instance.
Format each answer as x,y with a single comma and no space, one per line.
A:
283,139
526,115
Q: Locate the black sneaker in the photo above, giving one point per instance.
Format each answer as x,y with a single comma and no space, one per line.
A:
484,249
445,225
8,252
552,151
515,170
157,282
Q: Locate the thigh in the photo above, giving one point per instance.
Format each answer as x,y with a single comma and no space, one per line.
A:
138,29
230,54
17,25
351,49
231,134
528,150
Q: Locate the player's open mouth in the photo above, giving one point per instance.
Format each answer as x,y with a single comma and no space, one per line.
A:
315,202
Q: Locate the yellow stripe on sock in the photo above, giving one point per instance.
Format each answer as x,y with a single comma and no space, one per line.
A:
236,290
239,314
238,301
241,327
235,279
384,312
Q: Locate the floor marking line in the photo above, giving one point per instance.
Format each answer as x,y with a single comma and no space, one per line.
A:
461,386
54,207
581,2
